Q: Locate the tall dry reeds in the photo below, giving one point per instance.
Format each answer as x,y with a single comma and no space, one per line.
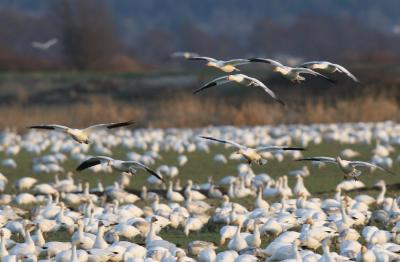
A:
185,110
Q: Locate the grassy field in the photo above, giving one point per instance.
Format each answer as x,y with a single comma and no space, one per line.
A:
322,181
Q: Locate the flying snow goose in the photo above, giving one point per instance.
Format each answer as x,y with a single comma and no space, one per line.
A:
227,66
329,67
82,135
45,45
253,155
118,165
291,73
241,79
185,55
348,167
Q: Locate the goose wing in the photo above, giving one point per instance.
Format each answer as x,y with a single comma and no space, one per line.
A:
266,60
256,82
144,167
203,58
59,128
302,70
93,161
367,164
236,62
277,148
347,72
239,146
218,81
98,127
319,159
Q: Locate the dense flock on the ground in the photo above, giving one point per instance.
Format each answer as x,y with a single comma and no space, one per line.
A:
110,223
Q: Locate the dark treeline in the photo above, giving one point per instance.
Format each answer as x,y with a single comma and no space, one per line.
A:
137,35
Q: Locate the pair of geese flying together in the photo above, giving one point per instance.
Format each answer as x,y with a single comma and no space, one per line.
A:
294,74
83,136
254,155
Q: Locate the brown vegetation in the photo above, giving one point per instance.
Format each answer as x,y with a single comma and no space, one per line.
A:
189,111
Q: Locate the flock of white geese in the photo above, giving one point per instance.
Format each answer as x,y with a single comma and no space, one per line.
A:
278,223
283,223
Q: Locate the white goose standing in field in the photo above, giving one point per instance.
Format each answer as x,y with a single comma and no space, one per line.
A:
329,67
291,73
82,135
174,196
349,168
237,243
119,165
243,80
253,155
227,66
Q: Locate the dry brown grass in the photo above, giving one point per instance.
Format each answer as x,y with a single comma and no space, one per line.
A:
186,110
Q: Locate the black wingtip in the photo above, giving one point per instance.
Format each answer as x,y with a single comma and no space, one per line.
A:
280,101
257,60
121,124
294,148
42,127
204,87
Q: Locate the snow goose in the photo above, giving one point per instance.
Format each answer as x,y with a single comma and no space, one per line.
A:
227,256
25,183
291,73
207,255
237,243
44,45
26,248
254,240
253,155
329,67
82,135
243,80
349,168
300,189
185,55
172,195
195,247
196,195
119,165
228,66
83,239
260,202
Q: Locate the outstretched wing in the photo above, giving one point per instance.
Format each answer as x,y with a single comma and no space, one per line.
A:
367,164
239,146
203,58
98,127
266,60
347,72
59,128
236,62
218,81
93,161
277,148
302,70
319,159
144,167
256,82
